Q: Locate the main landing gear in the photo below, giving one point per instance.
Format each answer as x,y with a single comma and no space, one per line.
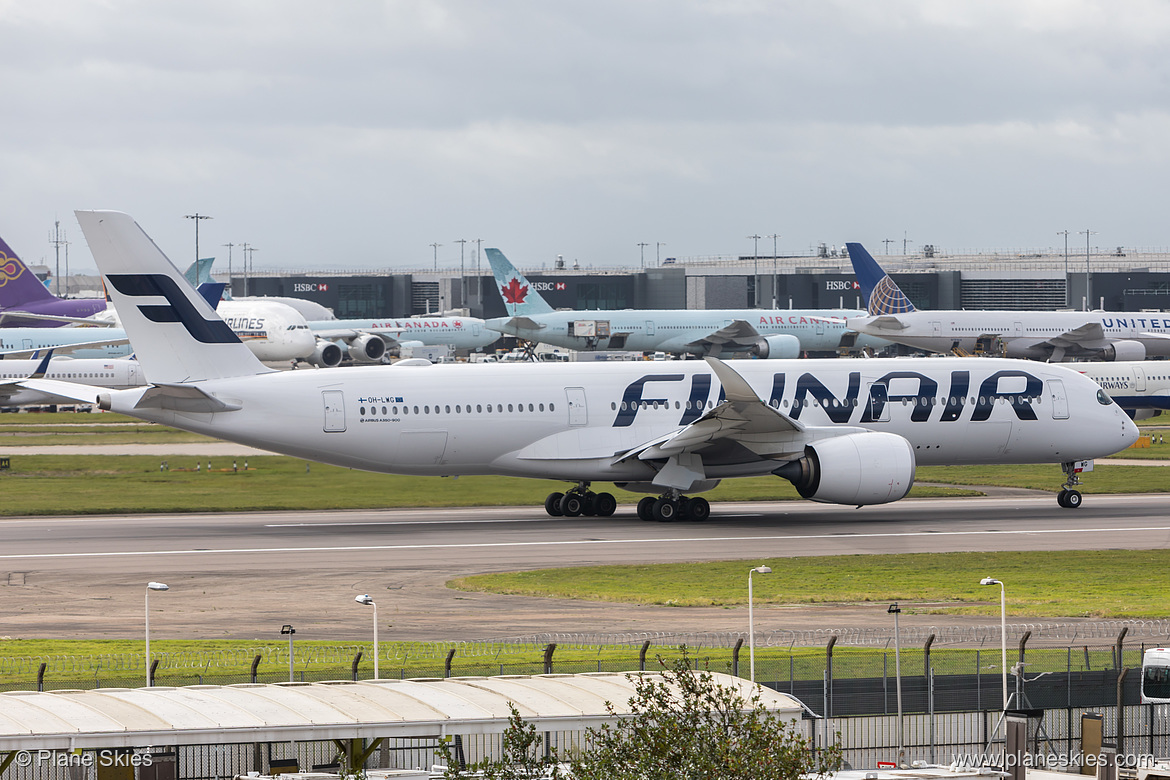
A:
671,506
1068,497
580,501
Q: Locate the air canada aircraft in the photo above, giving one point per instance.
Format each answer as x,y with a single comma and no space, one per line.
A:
764,333
843,431
1039,335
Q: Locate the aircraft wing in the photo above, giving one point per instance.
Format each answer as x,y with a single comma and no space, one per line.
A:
736,332
744,419
68,390
883,322
19,315
1091,333
63,349
517,324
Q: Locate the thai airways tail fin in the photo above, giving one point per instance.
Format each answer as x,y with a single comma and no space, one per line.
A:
519,296
18,284
882,296
176,334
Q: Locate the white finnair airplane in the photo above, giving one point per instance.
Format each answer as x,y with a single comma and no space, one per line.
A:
115,373
764,333
1040,335
843,431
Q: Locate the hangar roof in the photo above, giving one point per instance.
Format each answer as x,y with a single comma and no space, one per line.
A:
213,714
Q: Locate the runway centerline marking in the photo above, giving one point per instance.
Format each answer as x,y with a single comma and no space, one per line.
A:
575,542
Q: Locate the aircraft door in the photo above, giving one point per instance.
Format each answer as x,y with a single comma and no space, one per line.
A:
1139,379
1017,329
877,400
27,343
936,328
1058,398
334,401
578,412
649,327
820,326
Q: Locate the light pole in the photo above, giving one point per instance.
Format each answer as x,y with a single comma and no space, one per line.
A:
149,587
229,284
1088,274
197,217
436,246
643,245
1067,299
287,629
658,252
775,259
755,269
1002,631
895,610
751,620
369,601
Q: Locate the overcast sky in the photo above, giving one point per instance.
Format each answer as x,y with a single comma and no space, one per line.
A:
355,133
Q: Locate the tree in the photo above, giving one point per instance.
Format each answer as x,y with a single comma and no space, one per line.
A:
685,725
682,724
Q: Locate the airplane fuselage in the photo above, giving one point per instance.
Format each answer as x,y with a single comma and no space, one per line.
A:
557,421
1027,334
116,374
677,330
458,332
1138,384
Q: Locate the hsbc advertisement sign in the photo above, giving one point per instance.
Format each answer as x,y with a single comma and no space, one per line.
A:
548,286
841,285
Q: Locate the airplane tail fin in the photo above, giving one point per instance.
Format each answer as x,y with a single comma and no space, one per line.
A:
882,296
18,284
176,334
519,297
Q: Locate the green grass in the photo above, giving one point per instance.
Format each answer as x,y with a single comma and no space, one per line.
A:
1104,583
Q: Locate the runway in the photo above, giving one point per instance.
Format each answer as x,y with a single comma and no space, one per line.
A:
244,575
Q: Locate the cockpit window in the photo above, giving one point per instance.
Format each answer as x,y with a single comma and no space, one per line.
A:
1103,398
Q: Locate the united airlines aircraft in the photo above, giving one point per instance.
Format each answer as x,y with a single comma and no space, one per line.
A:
764,333
1042,335
115,373
843,431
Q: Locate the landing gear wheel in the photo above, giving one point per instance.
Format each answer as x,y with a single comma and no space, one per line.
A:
589,504
604,505
1060,498
552,504
571,505
665,510
699,509
684,508
1072,499
646,508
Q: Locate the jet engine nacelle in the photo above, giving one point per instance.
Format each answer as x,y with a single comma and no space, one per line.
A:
856,468
325,355
782,347
367,348
1124,350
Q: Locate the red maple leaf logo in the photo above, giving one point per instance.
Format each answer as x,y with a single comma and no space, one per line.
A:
514,292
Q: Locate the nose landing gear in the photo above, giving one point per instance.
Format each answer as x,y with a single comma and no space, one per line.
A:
1068,497
580,501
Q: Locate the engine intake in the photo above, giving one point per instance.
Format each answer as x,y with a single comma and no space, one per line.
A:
326,355
779,347
856,468
367,348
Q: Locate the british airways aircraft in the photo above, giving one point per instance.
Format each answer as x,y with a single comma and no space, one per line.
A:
1047,335
843,431
1141,387
764,333
22,293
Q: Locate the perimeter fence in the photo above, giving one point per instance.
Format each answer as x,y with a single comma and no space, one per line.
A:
836,672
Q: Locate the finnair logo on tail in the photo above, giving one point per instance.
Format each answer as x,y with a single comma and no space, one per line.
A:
177,309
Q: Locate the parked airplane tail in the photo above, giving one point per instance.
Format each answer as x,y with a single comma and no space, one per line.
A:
882,296
18,284
158,306
519,296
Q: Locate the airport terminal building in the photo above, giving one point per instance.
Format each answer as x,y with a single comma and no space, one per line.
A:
1117,280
